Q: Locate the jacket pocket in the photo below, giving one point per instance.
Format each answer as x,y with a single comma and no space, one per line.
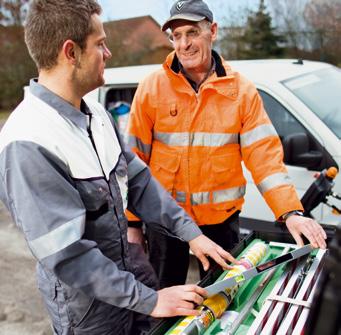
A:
94,193
164,166
54,300
226,169
87,314
102,318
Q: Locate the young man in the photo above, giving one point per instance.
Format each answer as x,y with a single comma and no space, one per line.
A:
67,180
193,122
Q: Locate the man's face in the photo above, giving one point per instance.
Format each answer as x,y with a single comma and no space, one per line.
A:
193,43
89,72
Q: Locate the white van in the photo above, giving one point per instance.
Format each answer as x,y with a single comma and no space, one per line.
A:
303,100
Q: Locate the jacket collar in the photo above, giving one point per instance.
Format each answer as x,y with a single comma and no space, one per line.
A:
65,109
223,73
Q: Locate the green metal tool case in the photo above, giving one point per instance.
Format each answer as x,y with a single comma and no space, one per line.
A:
274,302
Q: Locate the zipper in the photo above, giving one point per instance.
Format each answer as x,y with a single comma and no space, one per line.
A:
94,146
90,135
191,136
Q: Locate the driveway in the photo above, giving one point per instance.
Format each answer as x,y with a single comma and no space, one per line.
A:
21,309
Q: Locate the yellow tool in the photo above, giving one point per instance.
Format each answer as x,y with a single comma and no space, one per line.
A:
214,306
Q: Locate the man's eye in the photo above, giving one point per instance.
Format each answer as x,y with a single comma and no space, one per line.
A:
102,45
193,33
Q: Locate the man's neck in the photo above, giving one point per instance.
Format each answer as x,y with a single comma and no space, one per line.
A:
198,75
60,84
196,78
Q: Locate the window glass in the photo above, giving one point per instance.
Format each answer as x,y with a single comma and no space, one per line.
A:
320,91
281,118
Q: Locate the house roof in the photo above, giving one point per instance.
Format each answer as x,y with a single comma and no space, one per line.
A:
137,33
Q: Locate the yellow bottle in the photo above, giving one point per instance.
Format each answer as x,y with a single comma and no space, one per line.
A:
213,307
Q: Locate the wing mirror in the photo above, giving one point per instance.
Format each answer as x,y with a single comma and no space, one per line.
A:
297,151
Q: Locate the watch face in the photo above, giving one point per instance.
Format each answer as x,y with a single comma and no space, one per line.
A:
299,213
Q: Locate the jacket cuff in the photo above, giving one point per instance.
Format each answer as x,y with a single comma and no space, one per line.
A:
147,301
189,231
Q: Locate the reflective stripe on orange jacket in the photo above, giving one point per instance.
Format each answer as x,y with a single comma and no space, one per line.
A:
194,142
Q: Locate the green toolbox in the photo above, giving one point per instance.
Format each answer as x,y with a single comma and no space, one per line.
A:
270,292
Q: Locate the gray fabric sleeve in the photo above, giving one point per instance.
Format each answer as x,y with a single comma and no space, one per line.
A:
43,201
151,202
148,200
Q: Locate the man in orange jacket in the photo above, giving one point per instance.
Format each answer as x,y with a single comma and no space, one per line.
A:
193,122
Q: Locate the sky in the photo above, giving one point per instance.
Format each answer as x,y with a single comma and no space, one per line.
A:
159,9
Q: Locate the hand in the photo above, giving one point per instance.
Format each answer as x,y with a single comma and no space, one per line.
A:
135,235
178,300
298,225
202,247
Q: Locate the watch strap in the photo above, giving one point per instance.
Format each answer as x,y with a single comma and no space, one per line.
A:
286,216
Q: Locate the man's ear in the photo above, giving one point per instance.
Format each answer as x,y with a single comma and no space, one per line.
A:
214,31
71,52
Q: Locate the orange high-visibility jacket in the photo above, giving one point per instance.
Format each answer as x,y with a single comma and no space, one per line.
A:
195,143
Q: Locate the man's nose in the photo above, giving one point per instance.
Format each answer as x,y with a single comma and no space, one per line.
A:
106,54
185,41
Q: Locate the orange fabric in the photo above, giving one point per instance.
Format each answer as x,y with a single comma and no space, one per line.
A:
166,103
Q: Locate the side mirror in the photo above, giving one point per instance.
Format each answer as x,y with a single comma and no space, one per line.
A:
297,151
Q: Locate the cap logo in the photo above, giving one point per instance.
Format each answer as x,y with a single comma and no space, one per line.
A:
179,5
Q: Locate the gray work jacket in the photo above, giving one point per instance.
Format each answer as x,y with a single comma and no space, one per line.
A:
67,179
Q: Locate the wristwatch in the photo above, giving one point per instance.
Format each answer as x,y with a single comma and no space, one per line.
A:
286,216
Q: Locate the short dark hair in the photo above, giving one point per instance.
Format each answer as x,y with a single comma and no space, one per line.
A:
50,23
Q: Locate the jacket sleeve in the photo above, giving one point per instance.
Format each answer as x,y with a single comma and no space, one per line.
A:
151,202
262,154
140,128
141,124
148,200
42,198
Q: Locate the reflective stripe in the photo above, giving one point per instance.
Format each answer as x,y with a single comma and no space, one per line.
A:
196,139
272,181
175,139
180,196
213,140
228,194
135,166
257,134
58,239
135,142
200,198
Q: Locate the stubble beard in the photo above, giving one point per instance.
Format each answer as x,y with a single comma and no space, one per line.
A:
84,82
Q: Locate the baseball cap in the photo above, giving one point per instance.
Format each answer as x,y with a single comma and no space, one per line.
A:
190,10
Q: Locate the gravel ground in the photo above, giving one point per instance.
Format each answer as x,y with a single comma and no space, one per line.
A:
21,309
